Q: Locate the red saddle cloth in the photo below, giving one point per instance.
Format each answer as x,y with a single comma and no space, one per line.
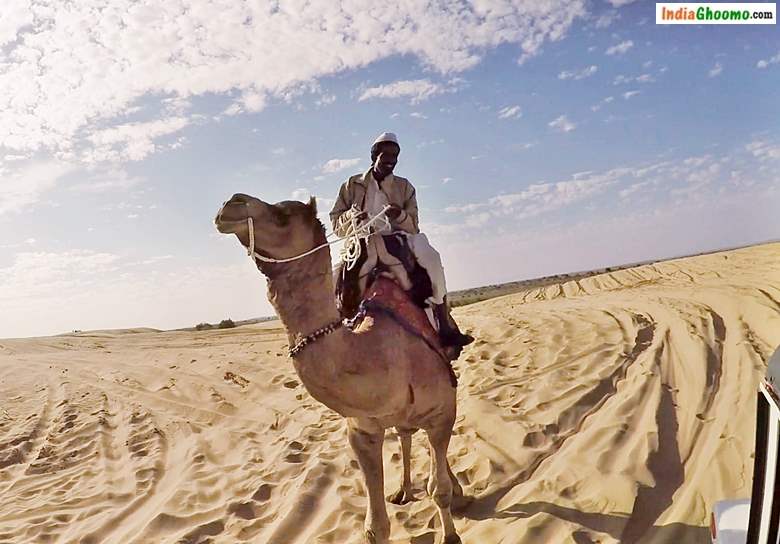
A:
386,296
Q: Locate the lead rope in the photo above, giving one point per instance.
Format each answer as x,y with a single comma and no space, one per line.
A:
350,252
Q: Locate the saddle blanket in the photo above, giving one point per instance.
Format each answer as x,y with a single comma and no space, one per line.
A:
386,296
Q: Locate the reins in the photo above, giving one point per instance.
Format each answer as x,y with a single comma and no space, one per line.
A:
350,253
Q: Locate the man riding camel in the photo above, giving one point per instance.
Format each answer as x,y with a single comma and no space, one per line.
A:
367,194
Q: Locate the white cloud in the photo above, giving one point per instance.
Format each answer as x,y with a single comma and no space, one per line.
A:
715,70
607,100
540,198
418,115
579,74
438,141
772,60
326,100
24,186
620,48
606,19
133,141
464,208
110,180
630,94
416,90
619,3
510,112
525,146
36,274
337,165
11,158
633,188
562,124
445,181
692,179
73,69
15,16
477,220
763,150
302,194
232,109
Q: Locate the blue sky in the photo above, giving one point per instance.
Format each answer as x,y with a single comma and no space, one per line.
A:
542,138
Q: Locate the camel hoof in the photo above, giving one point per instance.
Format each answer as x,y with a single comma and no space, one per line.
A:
371,538
400,497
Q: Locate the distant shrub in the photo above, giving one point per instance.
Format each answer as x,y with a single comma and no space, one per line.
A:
203,326
226,324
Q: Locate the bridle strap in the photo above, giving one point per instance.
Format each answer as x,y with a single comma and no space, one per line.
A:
350,252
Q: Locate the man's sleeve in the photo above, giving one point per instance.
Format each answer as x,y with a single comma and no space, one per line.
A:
407,221
337,214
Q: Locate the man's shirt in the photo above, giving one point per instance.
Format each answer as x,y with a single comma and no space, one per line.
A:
397,190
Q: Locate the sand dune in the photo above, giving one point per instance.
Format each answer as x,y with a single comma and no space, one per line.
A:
614,408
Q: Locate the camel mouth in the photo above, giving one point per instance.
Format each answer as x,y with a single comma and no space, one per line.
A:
227,226
225,223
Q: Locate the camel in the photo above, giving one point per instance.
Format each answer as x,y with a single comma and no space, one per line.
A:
377,376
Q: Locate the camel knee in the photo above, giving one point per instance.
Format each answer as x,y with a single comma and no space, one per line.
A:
442,499
441,493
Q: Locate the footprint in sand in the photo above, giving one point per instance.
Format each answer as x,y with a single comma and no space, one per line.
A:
263,493
236,379
243,510
298,455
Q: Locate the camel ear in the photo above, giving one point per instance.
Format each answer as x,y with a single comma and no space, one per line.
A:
313,206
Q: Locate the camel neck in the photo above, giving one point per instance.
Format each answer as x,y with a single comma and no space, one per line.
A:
303,295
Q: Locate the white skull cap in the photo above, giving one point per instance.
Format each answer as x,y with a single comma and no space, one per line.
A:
387,137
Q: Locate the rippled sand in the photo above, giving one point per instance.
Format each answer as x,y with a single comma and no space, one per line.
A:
611,409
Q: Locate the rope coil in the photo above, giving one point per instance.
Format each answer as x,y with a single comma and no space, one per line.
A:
356,232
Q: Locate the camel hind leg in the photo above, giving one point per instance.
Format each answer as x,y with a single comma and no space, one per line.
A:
404,495
440,483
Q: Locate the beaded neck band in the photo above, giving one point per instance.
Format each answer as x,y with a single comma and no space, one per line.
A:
316,335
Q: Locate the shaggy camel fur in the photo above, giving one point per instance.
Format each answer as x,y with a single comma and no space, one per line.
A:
377,376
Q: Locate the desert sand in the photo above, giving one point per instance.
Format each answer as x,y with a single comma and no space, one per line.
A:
615,408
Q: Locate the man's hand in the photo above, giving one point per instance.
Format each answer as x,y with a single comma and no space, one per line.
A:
393,212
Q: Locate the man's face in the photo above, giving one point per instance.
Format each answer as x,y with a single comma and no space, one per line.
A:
386,159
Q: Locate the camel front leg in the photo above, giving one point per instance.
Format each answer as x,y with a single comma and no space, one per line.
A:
404,495
440,485
368,449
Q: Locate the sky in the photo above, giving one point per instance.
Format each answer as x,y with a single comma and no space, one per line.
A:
543,137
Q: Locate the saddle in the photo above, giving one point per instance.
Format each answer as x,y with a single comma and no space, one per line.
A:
388,256
369,290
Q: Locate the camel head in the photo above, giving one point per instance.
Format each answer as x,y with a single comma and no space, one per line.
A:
282,230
